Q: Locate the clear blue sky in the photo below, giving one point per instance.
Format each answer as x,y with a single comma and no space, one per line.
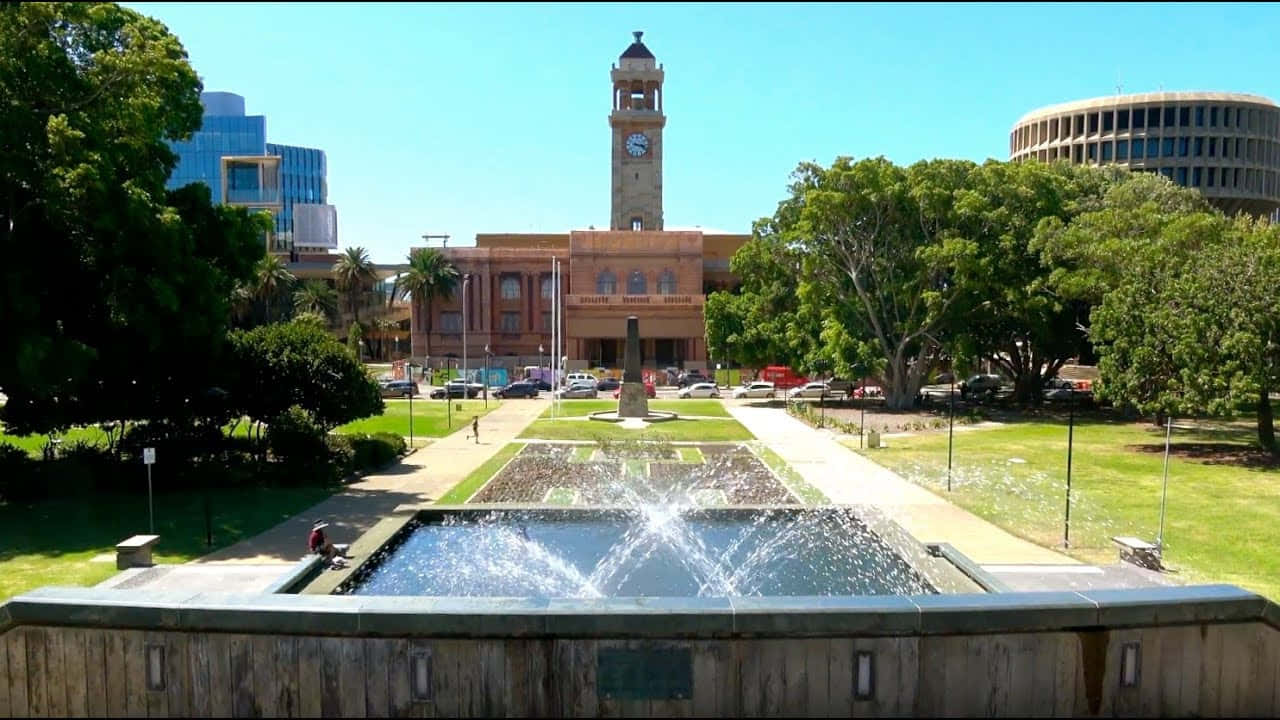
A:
493,118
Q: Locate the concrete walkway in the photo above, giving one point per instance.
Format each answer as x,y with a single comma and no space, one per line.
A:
421,477
849,478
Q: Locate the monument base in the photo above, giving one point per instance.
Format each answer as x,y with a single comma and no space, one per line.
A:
633,401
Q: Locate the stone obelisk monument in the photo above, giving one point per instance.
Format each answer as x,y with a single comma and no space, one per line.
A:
632,400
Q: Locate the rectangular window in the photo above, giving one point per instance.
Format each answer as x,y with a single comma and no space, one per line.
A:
1079,153
509,287
1213,175
1226,119
1166,149
1199,116
1053,128
451,322
546,287
1199,147
1213,116
546,322
1184,117
1182,176
1106,152
1122,150
1153,147
1213,147
1253,120
510,322
1184,146
1093,152
1170,117
1252,150
637,224
1093,123
1077,128
1108,121
1139,118
1153,117
1167,172
1196,176
1122,120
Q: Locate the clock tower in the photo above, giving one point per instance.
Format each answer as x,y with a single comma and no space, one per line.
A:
636,156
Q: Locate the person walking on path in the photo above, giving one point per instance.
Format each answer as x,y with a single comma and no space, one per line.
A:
475,428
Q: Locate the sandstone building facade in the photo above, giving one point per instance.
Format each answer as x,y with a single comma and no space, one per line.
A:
636,267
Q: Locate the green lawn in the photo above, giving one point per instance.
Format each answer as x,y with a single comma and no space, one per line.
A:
50,542
580,408
430,417
459,493
683,430
33,444
1222,520
790,477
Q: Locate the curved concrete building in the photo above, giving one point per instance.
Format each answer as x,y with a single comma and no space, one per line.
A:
1227,145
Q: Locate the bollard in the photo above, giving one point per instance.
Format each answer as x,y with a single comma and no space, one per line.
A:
873,439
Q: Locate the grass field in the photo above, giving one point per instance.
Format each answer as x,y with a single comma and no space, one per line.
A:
581,408
682,430
806,492
430,417
33,444
51,542
459,493
1222,518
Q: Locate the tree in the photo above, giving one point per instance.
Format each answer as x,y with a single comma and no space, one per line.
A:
298,363
355,272
1011,315
271,278
430,276
355,337
92,93
316,296
881,246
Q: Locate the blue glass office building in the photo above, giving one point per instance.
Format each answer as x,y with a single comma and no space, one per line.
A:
225,130
302,180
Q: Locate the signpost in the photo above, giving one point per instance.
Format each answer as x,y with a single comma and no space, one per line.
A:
149,459
951,427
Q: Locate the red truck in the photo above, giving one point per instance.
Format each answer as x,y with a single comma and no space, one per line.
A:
782,377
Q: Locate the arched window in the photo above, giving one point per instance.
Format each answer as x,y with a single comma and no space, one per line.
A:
667,283
606,284
636,284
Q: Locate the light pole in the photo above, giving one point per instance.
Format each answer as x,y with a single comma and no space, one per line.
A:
1164,491
951,429
412,386
1071,432
466,280
862,422
487,355
448,401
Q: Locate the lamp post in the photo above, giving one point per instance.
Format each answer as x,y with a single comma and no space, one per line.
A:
412,386
466,280
487,355
1164,491
448,401
862,422
540,351
951,430
1071,431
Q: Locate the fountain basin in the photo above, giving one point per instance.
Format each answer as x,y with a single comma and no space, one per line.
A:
650,416
648,552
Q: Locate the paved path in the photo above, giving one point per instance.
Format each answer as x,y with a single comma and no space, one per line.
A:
849,478
421,477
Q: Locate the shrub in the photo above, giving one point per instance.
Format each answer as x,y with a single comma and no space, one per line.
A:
16,470
295,438
369,452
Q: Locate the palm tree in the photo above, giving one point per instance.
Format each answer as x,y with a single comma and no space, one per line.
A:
430,276
318,297
270,277
354,271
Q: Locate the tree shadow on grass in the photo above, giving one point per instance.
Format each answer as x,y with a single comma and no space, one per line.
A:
1215,453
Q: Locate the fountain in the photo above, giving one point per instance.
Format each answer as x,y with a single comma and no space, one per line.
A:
633,403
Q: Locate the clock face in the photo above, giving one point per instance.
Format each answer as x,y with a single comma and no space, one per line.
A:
637,144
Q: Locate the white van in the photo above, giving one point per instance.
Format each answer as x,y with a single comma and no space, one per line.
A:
571,378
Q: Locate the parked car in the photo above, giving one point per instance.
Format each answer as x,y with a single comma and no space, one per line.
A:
457,388
608,384
782,377
691,377
870,391
517,389
577,390
649,390
700,390
398,388
577,377
931,395
539,383
1063,390
812,390
980,385
758,389
841,387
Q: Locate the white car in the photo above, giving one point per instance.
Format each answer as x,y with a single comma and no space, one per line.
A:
700,390
811,390
579,377
758,389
